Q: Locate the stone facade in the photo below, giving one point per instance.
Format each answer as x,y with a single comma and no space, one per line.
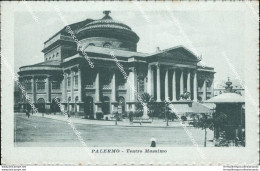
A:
119,75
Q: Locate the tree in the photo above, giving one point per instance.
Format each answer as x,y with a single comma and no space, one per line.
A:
205,122
168,114
219,121
146,99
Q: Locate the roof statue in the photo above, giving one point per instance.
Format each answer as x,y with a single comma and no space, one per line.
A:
106,15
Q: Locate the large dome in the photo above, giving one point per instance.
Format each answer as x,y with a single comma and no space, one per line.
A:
107,32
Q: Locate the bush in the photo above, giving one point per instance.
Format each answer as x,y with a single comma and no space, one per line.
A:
130,113
99,115
124,115
116,115
138,113
131,116
183,118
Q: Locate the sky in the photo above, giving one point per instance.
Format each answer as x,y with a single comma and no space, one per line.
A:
208,34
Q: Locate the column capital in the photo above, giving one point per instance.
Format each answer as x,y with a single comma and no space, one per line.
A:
132,69
66,70
150,66
158,84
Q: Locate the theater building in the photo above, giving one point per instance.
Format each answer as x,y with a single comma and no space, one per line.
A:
99,83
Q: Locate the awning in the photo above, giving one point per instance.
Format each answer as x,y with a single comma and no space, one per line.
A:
201,108
181,108
194,108
227,98
211,106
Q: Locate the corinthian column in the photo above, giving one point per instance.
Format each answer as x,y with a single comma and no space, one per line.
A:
64,89
97,96
33,89
188,82
113,99
195,87
181,83
48,89
174,85
79,85
72,86
158,84
204,97
150,81
166,85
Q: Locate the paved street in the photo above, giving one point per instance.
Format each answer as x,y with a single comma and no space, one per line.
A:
41,131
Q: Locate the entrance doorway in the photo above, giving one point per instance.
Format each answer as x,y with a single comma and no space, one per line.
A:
106,105
41,105
54,105
88,106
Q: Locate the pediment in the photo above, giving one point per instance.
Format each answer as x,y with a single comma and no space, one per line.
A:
176,54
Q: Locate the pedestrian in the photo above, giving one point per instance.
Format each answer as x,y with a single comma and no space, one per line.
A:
153,142
27,113
68,113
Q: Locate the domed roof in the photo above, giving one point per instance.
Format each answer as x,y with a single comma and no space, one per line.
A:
107,21
107,27
227,98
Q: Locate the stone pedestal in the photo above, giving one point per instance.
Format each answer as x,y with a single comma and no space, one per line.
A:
145,112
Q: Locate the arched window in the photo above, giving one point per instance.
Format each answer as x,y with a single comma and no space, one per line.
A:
41,100
57,54
76,99
106,105
69,99
107,45
55,105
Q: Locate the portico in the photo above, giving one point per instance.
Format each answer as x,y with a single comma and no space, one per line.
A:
176,79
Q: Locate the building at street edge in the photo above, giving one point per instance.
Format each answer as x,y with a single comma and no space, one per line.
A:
86,65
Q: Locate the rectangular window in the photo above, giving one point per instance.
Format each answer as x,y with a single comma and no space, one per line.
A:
28,86
68,82
76,81
40,85
55,85
141,85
